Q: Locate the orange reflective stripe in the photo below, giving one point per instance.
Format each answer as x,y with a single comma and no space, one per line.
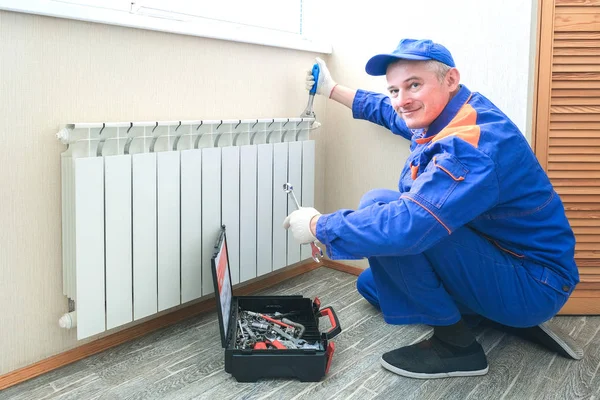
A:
464,125
469,134
428,210
424,140
460,178
414,171
508,251
502,248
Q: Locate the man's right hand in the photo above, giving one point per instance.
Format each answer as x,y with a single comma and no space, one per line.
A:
325,83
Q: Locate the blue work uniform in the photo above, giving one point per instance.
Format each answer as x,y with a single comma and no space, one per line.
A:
476,226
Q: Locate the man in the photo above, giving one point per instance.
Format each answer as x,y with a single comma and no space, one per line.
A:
476,229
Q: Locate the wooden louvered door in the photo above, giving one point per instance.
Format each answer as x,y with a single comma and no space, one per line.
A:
567,129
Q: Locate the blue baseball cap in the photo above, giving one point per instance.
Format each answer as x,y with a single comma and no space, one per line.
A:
409,49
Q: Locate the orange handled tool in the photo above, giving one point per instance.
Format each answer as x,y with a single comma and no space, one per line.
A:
274,343
267,318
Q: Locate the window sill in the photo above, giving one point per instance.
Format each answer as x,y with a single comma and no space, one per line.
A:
209,29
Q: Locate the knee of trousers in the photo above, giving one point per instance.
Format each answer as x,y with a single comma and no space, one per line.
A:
376,196
366,285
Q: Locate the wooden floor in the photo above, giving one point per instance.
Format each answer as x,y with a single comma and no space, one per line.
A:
185,361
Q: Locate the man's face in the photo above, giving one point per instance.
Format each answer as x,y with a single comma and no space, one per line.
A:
417,93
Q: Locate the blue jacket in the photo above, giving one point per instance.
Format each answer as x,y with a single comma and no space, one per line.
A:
471,167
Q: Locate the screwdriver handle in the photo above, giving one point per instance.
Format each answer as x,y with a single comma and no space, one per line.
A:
315,74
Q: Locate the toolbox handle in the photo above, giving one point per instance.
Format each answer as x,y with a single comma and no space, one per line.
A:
335,323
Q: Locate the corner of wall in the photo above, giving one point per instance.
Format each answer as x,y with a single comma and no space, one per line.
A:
532,75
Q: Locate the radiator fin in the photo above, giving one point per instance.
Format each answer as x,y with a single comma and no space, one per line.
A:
141,213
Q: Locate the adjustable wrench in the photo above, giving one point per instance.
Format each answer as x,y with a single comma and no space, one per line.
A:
308,111
317,253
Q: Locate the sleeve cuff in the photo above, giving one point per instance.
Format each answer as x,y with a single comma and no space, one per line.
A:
358,104
321,229
325,234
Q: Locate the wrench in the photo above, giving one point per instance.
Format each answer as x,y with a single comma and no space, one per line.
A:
317,253
308,112
299,343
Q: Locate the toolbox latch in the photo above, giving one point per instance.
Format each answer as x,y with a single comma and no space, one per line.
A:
316,305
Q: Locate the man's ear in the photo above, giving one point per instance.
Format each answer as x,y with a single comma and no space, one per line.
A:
453,79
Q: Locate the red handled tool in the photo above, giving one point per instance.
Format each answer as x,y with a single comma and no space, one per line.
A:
267,318
273,343
260,346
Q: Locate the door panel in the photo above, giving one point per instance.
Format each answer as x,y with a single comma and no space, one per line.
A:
567,129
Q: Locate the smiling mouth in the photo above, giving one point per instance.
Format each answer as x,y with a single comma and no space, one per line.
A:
409,112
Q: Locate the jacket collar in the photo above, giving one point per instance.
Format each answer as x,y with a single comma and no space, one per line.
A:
449,112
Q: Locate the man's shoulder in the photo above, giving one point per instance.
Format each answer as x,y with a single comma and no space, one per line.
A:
490,116
481,102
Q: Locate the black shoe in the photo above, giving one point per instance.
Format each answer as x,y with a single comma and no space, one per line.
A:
433,358
551,338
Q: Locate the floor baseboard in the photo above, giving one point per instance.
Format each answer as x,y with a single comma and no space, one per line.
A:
343,267
115,339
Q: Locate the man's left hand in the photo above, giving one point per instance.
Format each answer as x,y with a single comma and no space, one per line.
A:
299,223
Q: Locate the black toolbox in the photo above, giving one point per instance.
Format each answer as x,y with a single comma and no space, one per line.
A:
251,364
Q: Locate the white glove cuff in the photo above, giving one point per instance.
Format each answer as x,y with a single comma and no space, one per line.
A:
332,89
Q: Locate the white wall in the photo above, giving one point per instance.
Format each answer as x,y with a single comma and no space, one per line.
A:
491,42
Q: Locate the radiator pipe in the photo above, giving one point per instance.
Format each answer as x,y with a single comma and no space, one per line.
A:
68,320
66,137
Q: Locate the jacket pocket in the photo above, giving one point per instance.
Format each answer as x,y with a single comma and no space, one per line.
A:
451,166
441,177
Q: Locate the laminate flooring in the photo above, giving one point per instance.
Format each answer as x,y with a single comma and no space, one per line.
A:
185,361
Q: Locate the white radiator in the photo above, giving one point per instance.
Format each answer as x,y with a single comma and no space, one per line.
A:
143,202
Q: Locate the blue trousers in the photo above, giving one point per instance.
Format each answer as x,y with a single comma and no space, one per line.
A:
464,274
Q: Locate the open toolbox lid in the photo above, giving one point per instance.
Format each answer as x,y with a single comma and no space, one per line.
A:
222,282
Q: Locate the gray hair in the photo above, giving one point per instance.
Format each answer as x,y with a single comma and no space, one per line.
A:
439,68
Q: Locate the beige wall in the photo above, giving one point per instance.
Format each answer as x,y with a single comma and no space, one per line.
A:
55,71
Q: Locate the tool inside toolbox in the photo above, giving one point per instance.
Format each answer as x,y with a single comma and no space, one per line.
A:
266,322
270,336
259,328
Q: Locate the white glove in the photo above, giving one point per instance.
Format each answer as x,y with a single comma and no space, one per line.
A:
299,222
325,83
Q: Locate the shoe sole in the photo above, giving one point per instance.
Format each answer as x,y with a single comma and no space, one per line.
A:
567,345
424,375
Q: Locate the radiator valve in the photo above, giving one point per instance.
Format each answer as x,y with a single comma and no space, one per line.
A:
68,320
63,135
